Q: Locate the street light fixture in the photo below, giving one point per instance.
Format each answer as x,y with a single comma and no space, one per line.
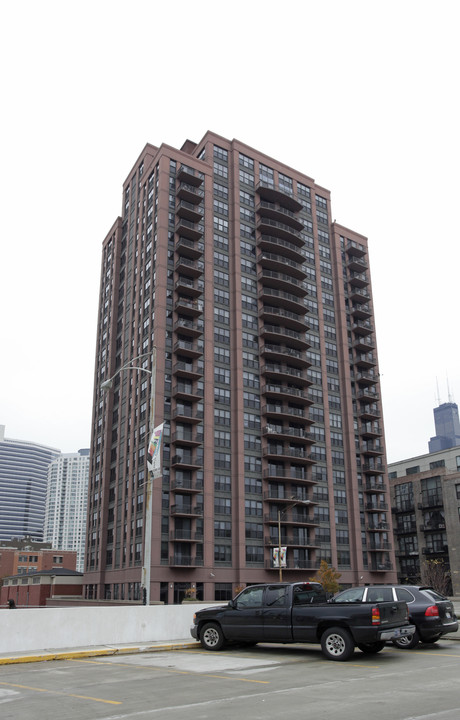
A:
281,512
105,387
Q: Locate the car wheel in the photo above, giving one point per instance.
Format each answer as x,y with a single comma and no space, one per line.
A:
431,640
337,644
211,637
407,642
371,648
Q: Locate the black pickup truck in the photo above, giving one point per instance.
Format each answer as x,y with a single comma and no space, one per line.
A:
300,613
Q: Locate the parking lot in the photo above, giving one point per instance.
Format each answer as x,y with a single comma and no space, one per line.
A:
261,682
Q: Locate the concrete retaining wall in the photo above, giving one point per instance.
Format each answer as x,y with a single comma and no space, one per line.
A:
53,628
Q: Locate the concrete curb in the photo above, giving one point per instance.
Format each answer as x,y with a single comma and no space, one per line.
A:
43,655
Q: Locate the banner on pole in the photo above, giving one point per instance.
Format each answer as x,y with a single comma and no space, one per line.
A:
153,455
276,557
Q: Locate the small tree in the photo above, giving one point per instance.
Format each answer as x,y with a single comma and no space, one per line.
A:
437,575
327,577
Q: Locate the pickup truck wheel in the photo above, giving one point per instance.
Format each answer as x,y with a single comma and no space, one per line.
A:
337,644
371,648
211,637
407,642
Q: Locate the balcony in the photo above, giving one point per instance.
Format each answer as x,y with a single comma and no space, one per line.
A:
357,264
286,300
290,319
365,361
187,327
359,294
189,211
283,353
190,287
358,279
366,378
363,343
363,327
282,281
368,412
297,454
280,263
430,500
183,510
291,250
273,193
185,561
278,333
189,175
381,567
188,439
185,461
376,506
355,249
293,565
189,229
378,547
286,433
285,412
189,248
285,392
187,486
290,542
188,348
185,536
373,467
372,448
361,311
189,370
187,413
186,391
295,474
279,372
375,485
403,506
192,268
187,306
275,211
190,193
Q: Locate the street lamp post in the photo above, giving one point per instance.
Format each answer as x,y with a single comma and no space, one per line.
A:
281,512
105,386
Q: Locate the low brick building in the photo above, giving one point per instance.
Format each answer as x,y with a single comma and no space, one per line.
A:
34,589
22,556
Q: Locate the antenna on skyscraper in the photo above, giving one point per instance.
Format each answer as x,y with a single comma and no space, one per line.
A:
449,395
437,392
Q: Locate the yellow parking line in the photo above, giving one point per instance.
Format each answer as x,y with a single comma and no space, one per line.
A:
56,692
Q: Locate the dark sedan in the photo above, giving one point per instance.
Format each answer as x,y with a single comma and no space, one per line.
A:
432,614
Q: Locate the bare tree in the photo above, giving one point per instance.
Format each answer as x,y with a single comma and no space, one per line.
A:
436,574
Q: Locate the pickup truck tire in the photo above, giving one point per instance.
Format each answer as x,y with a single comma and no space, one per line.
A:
371,648
407,642
211,636
337,644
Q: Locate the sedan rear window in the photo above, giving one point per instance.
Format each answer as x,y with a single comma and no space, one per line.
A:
432,595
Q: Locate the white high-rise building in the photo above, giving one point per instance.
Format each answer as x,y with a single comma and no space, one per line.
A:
66,503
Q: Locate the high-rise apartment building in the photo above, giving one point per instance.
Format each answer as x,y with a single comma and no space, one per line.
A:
260,310
23,478
66,503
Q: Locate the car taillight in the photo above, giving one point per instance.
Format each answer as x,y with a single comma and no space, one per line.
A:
375,616
432,611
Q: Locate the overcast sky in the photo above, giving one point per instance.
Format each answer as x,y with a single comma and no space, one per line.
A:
361,96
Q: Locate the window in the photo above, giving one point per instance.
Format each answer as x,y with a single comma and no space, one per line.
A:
253,507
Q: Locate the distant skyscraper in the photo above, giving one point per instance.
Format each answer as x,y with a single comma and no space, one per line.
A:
23,480
66,503
260,308
447,427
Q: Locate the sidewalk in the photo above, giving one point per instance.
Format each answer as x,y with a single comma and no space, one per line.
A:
105,650
96,651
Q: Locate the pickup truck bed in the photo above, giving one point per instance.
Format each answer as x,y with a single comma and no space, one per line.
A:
300,613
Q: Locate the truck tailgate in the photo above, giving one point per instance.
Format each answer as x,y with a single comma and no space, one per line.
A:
392,613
